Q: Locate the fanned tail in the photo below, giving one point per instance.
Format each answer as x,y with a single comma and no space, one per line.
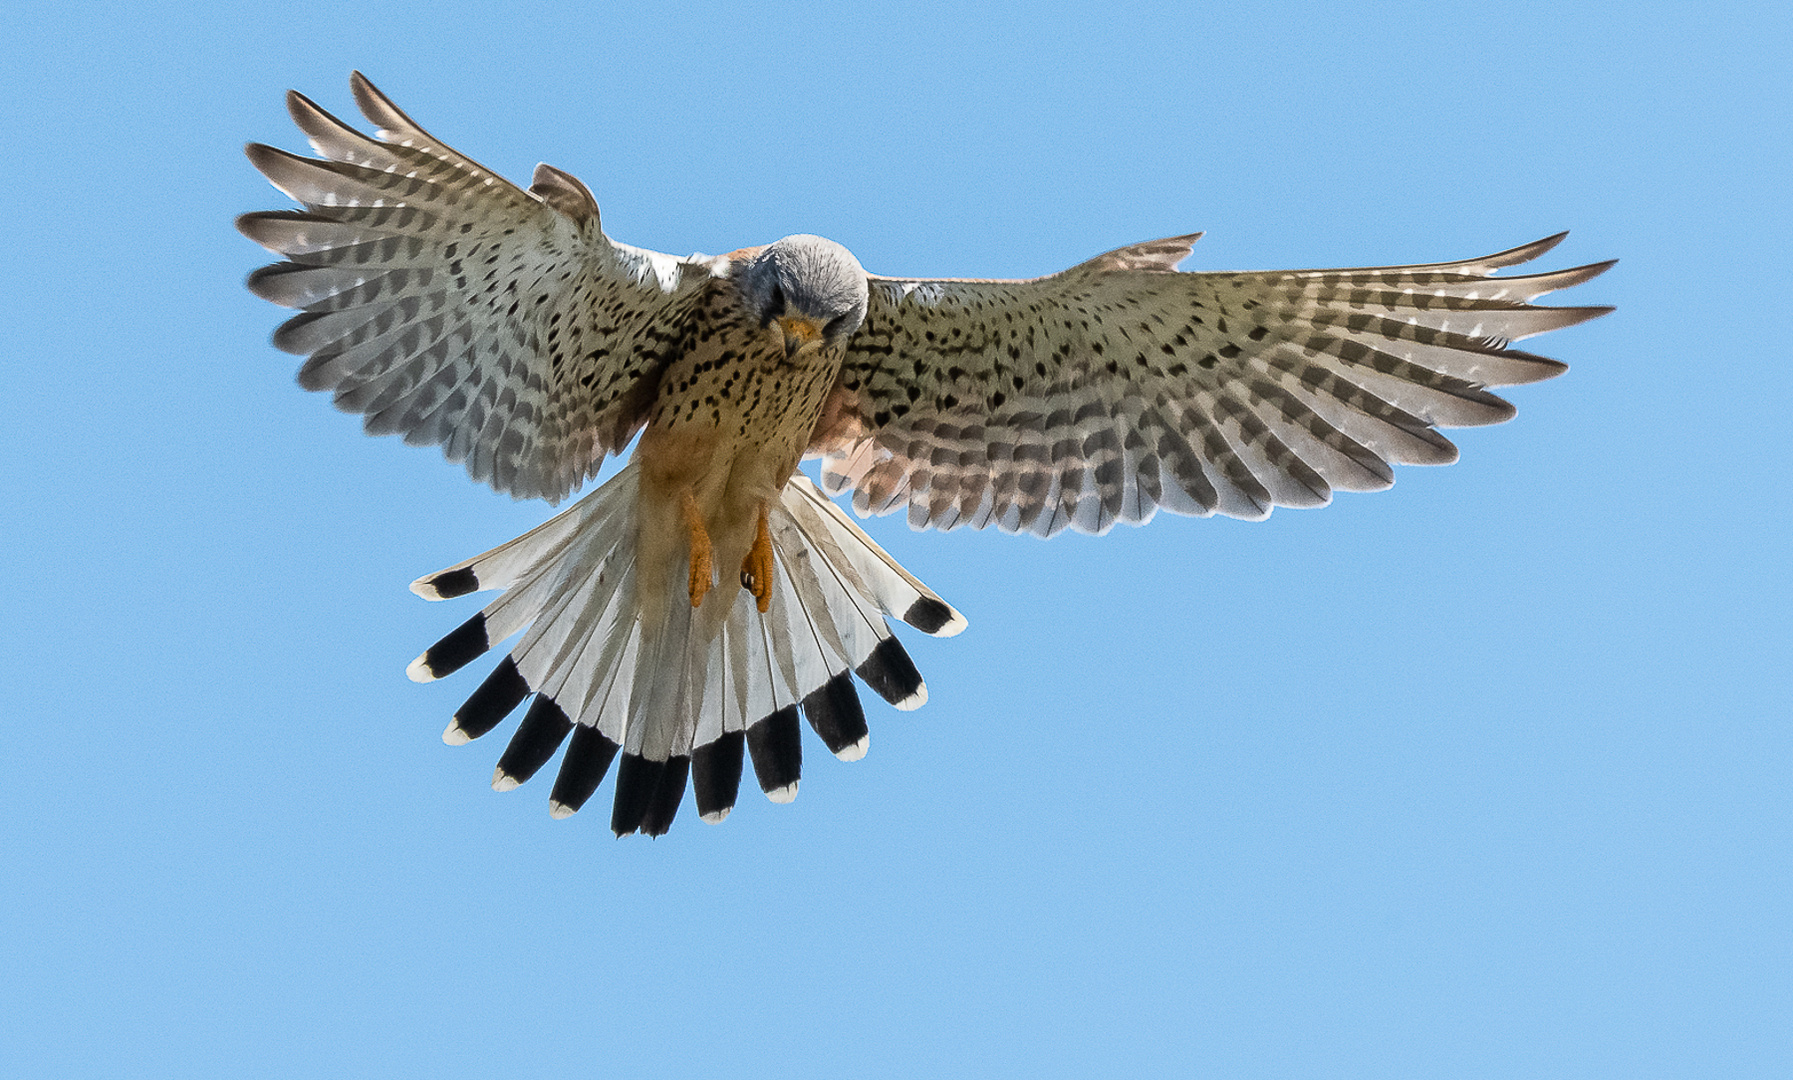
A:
689,698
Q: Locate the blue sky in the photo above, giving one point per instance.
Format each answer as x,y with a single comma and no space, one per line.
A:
1484,776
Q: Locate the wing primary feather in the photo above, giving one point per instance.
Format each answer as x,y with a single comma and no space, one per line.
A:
425,280
379,110
1121,386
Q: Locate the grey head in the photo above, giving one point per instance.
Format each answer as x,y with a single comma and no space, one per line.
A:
812,288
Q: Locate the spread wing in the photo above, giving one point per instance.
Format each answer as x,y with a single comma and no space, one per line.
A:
453,307
1119,386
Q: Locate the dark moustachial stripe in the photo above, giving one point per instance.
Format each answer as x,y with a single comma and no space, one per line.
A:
537,737
636,779
776,746
669,791
455,583
928,615
716,772
503,690
834,711
587,759
890,672
464,643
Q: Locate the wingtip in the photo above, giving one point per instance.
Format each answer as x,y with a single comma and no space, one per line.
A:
1524,253
1575,316
297,103
1568,279
378,108
247,224
367,96
1539,247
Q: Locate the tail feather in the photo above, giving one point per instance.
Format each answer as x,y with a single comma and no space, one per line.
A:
500,567
687,699
587,759
716,774
545,726
803,662
770,712
775,744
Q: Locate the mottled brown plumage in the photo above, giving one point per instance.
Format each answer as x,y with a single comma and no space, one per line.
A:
456,309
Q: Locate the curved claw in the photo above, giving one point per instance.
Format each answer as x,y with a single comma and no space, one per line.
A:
756,568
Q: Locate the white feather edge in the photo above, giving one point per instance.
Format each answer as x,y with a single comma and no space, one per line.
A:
565,583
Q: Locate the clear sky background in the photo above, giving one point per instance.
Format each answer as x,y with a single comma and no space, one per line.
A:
1485,776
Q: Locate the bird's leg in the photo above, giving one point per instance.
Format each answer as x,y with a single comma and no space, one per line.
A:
700,550
756,568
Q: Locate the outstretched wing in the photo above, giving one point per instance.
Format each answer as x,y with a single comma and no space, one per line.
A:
452,307
1118,386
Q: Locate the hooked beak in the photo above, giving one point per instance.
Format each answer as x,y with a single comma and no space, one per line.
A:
798,332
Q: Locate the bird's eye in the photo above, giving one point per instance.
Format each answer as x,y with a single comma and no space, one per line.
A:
775,306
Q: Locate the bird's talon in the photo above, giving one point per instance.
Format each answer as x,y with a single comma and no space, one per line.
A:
756,568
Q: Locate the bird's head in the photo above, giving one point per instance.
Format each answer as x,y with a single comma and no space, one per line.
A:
808,290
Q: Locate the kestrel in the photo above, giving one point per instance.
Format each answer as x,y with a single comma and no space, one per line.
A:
451,307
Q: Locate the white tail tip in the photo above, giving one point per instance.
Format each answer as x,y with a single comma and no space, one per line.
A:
783,794
855,751
502,781
559,810
454,736
418,671
914,701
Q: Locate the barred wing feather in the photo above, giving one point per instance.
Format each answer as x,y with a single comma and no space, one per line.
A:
1104,392
456,309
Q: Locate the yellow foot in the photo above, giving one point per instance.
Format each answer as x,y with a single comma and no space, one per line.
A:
756,568
700,550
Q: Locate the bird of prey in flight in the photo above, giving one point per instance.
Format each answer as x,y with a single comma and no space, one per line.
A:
685,613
